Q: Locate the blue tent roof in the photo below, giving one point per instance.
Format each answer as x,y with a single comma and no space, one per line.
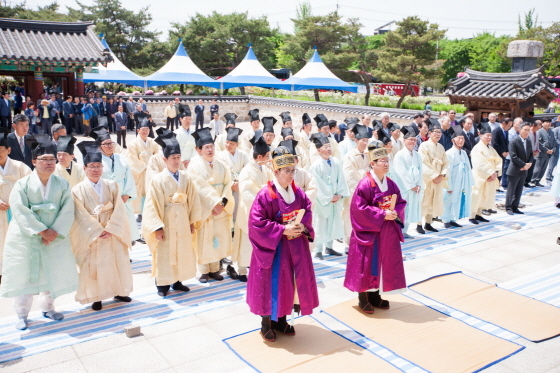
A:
316,75
250,72
115,72
180,69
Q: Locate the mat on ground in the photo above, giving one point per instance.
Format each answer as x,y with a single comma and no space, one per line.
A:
527,317
313,349
425,337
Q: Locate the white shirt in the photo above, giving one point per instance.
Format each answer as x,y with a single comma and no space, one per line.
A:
97,187
6,166
20,140
173,175
287,195
44,188
381,184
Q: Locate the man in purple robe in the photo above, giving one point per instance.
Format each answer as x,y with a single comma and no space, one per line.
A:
282,276
375,255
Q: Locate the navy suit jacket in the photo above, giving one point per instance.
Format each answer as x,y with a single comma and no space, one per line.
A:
5,110
199,110
16,154
121,119
499,142
67,108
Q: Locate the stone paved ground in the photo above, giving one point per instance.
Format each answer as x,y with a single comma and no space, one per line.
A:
193,344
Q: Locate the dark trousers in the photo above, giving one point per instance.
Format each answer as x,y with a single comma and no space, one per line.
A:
46,123
17,111
199,120
529,176
111,123
6,121
131,123
78,124
540,167
551,164
68,124
514,190
121,138
170,123
506,163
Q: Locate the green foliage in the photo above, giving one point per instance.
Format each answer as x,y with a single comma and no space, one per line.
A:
529,22
218,42
409,53
487,52
126,31
456,54
48,12
550,36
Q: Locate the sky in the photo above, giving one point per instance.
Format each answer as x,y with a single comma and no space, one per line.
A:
462,19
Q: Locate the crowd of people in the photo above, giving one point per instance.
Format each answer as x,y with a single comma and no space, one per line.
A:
258,204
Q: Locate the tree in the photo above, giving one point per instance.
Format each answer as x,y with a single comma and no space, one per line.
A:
125,30
487,52
550,36
456,54
48,12
529,21
409,54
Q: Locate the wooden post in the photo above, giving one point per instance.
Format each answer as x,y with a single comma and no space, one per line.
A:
37,83
79,82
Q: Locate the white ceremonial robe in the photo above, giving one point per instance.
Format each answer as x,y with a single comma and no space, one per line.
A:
220,142
485,162
104,263
30,267
305,181
13,171
251,180
434,163
138,156
346,145
187,144
75,177
458,202
214,235
122,174
303,141
245,143
407,174
156,164
174,206
327,215
235,163
355,166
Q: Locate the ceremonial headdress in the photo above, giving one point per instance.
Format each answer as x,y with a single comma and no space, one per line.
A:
360,131
456,131
319,139
169,144
483,130
285,116
254,114
66,144
163,132
90,151
290,145
268,124
40,144
286,131
377,151
408,132
230,118
393,127
184,111
282,157
100,134
321,120
260,146
351,122
143,123
233,134
305,118
203,136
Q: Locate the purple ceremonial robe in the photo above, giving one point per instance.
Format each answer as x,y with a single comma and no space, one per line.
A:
277,259
375,244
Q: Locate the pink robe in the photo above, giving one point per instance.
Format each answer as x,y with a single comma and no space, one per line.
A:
276,260
375,244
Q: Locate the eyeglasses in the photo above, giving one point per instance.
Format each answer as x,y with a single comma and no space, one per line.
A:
290,172
47,160
108,144
95,167
383,162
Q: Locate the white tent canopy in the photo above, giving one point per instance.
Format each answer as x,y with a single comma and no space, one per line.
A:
316,75
250,72
180,69
115,72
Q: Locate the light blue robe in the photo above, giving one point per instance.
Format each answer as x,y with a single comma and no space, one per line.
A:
122,175
327,216
407,174
29,266
457,205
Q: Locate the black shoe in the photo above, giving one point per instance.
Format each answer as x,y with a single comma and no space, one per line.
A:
162,293
267,331
557,206
539,185
133,243
455,224
216,276
375,300
485,212
527,185
480,218
509,212
492,211
473,221
363,303
447,225
429,227
318,256
437,218
204,278
283,327
517,211
180,287
419,229
141,240
242,278
139,218
96,306
330,251
226,261
122,299
232,273
339,240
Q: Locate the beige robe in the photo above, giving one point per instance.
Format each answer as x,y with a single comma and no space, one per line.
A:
485,162
245,143
355,168
235,165
173,206
305,181
251,180
138,156
15,170
434,163
220,142
314,154
104,264
155,165
187,144
213,184
76,177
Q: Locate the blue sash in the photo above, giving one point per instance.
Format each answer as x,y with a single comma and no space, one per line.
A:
375,258
275,281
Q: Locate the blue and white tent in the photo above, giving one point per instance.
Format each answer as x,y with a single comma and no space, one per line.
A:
115,72
316,75
180,69
250,72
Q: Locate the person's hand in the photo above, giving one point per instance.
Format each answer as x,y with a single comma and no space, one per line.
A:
186,163
159,235
549,151
70,115
437,179
493,177
112,115
293,229
48,236
4,206
390,215
105,235
505,154
416,189
335,198
123,127
235,186
125,198
449,191
192,228
217,210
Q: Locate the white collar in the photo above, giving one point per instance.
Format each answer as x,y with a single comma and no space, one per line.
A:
186,131
173,175
4,169
381,184
97,187
44,188
287,195
233,156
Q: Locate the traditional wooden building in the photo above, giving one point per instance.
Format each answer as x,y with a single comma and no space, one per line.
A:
514,94
31,51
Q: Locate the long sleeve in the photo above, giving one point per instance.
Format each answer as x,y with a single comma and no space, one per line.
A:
25,219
